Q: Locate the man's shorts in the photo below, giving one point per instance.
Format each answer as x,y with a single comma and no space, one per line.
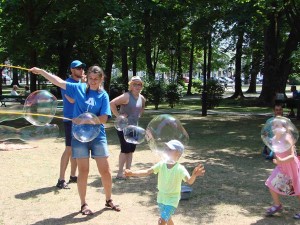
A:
96,148
68,133
166,211
125,146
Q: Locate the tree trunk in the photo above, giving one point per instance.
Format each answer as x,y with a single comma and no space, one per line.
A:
179,60
147,40
108,66
209,56
238,93
124,65
285,65
255,67
134,57
270,81
189,92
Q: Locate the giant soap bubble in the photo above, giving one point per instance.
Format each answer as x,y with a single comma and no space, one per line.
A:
40,107
134,134
121,122
86,127
162,129
279,134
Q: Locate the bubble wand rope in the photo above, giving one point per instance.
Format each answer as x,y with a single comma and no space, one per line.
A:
17,67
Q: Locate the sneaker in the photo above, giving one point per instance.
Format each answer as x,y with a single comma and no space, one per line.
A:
62,184
73,179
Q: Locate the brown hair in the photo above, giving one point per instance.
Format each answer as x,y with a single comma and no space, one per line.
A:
94,69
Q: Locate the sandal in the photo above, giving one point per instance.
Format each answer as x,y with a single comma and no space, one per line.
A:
274,209
85,210
297,216
111,205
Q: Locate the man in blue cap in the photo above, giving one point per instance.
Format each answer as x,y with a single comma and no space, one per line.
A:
77,75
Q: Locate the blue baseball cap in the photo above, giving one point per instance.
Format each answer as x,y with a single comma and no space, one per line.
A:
77,63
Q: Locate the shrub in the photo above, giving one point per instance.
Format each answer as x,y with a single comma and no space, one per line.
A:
117,87
154,92
215,91
294,79
173,94
198,86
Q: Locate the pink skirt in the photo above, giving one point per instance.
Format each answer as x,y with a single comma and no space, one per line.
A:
285,178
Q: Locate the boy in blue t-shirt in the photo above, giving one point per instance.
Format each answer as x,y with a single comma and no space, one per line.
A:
170,176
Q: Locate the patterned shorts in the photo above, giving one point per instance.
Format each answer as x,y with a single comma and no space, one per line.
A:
166,211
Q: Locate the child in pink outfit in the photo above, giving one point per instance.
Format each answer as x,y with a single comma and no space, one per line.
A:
285,178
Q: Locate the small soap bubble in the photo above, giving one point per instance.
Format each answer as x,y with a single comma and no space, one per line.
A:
35,133
134,134
86,127
121,122
40,107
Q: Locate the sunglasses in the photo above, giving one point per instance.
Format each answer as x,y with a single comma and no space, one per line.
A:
78,68
137,85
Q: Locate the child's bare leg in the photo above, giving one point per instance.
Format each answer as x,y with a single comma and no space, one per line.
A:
161,221
275,197
170,221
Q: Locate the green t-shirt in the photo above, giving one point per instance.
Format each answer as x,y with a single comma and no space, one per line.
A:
169,182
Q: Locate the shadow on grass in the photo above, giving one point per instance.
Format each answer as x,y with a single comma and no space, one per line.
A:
69,219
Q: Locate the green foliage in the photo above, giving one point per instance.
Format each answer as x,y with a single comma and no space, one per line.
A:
198,86
215,92
154,92
294,79
117,87
173,94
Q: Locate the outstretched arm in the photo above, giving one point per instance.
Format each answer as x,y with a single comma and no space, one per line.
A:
50,77
139,173
198,171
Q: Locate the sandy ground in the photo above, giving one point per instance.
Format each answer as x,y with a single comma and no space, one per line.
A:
28,194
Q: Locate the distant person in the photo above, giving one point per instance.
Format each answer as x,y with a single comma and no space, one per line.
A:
278,111
14,91
77,73
170,177
27,90
290,103
132,105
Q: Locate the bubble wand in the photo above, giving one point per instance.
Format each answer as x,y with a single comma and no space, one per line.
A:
17,67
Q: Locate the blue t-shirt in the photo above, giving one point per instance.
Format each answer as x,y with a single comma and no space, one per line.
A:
68,106
96,102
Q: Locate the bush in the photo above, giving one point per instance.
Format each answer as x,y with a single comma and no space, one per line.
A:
173,94
154,92
215,91
117,87
294,79
198,86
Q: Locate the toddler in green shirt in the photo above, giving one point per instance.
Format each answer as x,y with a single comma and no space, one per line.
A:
170,176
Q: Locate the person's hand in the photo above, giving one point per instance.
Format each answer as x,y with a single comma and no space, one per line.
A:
128,173
199,170
277,160
35,70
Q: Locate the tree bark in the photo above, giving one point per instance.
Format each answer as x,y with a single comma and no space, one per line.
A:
238,93
189,92
108,66
147,41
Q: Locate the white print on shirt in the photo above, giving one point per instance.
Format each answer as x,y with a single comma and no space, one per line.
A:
90,102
